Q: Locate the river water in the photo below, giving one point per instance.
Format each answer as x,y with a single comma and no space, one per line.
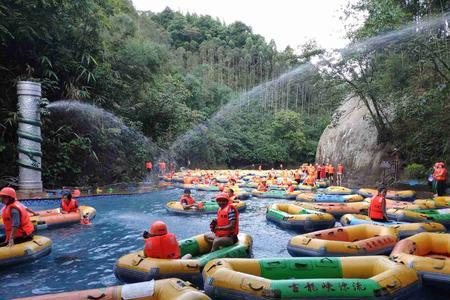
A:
83,257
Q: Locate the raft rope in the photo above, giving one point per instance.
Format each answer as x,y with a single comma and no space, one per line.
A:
33,164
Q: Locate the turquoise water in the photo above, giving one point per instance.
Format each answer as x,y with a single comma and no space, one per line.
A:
83,257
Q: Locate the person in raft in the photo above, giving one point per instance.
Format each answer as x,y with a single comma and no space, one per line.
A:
290,188
68,204
377,208
159,243
188,202
225,228
17,223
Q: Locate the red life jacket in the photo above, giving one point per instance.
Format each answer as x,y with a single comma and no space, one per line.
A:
323,173
340,169
162,246
440,174
26,227
222,220
376,208
187,200
296,176
148,165
262,187
72,206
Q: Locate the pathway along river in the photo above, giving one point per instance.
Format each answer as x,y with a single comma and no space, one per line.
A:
83,257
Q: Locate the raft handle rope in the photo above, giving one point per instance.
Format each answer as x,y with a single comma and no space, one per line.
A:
255,289
192,267
95,298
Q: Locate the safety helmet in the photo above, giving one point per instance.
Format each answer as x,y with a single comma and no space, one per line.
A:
158,228
8,192
223,196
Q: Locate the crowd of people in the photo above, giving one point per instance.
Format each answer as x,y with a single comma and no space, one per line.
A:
224,229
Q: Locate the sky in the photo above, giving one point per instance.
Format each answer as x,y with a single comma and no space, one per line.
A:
288,22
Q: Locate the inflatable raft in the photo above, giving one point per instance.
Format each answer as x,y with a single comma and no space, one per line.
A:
368,277
407,195
403,229
294,217
322,183
275,194
21,253
337,209
309,197
423,215
53,218
338,190
164,289
417,204
209,207
428,254
365,239
135,267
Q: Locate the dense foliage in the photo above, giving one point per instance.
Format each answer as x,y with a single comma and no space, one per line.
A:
163,74
160,73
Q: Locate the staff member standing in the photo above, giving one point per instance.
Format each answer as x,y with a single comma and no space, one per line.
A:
440,177
18,226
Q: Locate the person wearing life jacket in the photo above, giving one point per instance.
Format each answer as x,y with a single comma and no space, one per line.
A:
187,201
149,166
262,187
331,173
340,174
68,204
16,220
297,176
225,228
310,180
290,188
162,167
232,195
323,172
377,208
159,243
440,178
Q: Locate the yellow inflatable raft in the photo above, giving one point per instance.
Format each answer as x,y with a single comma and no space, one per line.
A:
309,197
337,209
338,190
407,195
40,246
367,277
135,267
364,239
403,229
164,289
427,253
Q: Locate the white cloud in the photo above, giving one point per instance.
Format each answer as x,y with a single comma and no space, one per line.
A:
288,22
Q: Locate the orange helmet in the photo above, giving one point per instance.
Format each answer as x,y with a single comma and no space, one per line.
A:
223,196
8,192
158,228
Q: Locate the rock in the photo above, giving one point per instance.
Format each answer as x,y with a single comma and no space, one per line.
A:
351,139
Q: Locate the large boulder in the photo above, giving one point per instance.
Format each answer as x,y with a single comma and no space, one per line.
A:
351,139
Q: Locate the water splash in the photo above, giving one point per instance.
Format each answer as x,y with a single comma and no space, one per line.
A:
257,94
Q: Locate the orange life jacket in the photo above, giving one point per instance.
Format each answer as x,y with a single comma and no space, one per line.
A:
440,174
162,246
148,165
222,220
290,189
72,206
376,208
262,187
25,228
187,199
340,169
310,180
331,170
